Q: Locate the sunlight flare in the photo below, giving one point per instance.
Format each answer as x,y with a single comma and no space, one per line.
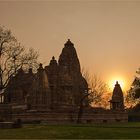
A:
120,80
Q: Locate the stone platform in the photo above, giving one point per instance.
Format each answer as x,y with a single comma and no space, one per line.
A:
62,118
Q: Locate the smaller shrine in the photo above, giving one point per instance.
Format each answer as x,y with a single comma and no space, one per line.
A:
117,102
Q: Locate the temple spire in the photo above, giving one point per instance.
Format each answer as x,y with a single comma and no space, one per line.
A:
69,43
68,58
53,61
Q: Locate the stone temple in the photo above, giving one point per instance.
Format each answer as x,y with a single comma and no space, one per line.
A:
117,102
53,94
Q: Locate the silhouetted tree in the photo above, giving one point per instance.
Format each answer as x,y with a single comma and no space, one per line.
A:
13,56
97,87
81,107
94,94
133,95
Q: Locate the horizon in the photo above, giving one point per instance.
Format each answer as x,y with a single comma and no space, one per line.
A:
105,34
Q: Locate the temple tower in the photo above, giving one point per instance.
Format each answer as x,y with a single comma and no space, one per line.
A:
52,73
68,59
117,102
66,82
72,84
39,95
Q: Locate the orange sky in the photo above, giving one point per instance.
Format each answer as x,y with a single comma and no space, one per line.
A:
106,34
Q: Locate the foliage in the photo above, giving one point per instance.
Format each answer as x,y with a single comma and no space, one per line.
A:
97,89
13,56
135,111
133,95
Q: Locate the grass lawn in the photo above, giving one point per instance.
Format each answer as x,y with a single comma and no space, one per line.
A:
97,131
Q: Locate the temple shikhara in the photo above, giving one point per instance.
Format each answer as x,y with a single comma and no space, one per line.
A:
53,94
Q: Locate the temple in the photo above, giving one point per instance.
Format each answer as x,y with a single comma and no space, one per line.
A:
117,102
53,94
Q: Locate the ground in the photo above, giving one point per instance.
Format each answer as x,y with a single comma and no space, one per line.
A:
98,131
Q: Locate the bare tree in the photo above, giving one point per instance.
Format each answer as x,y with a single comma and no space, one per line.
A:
13,56
97,88
94,94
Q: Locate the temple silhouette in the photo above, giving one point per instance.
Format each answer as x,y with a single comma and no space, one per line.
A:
117,101
54,92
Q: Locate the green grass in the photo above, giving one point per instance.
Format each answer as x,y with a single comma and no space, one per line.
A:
98,131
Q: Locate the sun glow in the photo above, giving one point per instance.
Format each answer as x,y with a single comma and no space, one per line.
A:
112,83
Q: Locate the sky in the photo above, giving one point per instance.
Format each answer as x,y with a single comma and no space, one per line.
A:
106,34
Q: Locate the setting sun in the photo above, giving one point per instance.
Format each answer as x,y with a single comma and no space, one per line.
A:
112,83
